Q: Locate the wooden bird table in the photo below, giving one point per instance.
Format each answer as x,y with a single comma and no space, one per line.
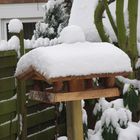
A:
74,64
76,92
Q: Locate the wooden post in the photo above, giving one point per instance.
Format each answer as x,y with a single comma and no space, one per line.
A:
57,87
110,82
74,113
21,97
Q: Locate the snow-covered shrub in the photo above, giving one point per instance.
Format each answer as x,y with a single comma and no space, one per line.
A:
103,104
112,117
112,121
131,97
55,19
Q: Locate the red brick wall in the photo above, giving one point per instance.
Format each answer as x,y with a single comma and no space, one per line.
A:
20,1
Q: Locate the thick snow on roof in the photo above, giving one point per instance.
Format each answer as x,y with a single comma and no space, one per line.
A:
15,26
77,59
72,34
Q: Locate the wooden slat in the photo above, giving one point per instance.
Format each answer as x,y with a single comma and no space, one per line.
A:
73,96
6,94
40,117
32,103
7,84
11,137
7,72
101,75
8,61
47,134
8,129
7,117
8,53
8,106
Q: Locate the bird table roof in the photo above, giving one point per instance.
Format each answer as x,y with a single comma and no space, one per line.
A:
73,61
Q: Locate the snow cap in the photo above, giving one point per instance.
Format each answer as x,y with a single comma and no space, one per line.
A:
62,138
15,26
72,34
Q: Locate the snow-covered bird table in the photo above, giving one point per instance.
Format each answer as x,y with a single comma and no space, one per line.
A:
74,63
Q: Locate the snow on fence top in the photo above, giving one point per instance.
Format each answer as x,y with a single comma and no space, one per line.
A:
15,26
78,59
12,44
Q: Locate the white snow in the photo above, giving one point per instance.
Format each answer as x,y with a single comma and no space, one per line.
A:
40,42
134,82
41,131
62,138
12,98
103,104
76,59
82,14
130,133
72,34
15,26
117,104
125,88
12,44
84,116
110,117
9,122
51,3
124,116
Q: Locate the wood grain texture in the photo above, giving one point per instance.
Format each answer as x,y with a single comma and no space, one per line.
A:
31,73
73,96
74,113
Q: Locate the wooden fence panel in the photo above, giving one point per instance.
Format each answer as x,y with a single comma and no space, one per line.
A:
7,84
8,128
40,117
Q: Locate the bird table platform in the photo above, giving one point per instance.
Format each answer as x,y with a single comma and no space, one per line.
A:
75,64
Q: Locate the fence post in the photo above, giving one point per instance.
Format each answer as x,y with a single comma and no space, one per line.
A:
21,97
21,92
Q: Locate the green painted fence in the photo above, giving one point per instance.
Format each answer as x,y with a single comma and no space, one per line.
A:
40,117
